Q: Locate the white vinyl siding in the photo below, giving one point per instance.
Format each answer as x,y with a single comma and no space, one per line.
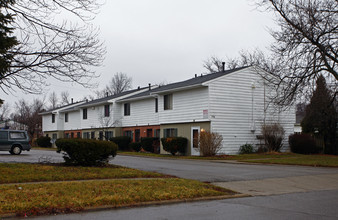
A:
237,107
141,113
94,114
74,121
188,106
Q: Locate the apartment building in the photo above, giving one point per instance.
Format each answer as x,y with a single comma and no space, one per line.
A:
234,103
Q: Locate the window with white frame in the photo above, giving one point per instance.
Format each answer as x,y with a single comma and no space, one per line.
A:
85,135
126,109
168,102
106,111
169,132
84,113
156,104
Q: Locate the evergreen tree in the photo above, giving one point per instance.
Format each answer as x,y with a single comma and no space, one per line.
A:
321,117
6,42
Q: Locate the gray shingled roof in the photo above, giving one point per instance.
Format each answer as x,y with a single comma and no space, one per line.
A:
187,83
61,107
101,100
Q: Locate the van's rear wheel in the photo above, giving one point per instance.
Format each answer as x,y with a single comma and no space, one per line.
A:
16,150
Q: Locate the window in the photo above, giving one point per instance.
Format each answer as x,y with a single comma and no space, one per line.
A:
66,117
84,113
101,135
106,111
195,137
54,136
108,135
53,118
78,134
168,102
17,135
156,105
67,135
170,132
72,135
85,135
3,135
149,132
157,133
92,135
137,135
128,134
127,109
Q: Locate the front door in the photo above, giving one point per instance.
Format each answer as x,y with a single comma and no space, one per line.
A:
195,133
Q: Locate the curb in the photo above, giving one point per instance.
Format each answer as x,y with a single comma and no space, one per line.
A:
145,204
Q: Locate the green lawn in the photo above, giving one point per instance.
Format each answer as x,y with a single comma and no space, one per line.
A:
306,160
63,189
271,158
49,198
20,173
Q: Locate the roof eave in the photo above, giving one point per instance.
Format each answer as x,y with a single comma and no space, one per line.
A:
179,89
134,99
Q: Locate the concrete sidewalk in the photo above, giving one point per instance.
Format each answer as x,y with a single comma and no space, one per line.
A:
276,186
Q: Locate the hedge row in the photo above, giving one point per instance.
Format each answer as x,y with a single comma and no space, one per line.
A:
44,142
303,144
122,142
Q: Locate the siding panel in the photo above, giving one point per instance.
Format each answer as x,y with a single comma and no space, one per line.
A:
237,106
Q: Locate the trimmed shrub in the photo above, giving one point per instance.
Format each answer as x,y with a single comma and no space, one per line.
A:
246,149
122,142
149,143
85,152
303,144
273,135
210,143
175,144
136,146
44,142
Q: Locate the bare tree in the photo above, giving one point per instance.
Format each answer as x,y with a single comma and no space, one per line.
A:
210,143
53,100
52,47
305,45
28,114
65,98
4,111
107,122
119,82
245,58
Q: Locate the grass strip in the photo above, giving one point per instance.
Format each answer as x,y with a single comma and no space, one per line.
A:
305,160
51,198
20,173
270,158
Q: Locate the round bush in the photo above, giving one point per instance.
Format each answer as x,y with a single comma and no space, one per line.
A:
303,144
85,152
149,144
175,144
44,142
246,149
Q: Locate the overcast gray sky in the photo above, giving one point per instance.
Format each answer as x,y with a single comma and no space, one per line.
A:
157,41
